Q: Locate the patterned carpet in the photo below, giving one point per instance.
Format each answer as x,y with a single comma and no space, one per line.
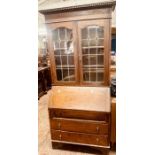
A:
45,147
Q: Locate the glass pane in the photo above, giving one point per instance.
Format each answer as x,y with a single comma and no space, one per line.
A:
62,39
65,75
57,52
100,42
100,32
69,74
70,60
86,75
93,53
64,61
85,60
92,76
88,51
92,60
59,74
62,34
85,43
72,74
93,42
84,33
100,60
69,34
58,60
92,32
63,45
85,51
99,51
100,76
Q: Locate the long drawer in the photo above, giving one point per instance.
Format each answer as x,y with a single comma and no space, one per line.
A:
82,126
79,114
73,137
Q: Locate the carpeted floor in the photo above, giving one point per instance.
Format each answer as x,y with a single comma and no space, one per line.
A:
45,147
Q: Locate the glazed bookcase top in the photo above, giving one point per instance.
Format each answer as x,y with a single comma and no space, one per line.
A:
49,6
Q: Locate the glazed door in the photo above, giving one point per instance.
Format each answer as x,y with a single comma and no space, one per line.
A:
63,53
94,52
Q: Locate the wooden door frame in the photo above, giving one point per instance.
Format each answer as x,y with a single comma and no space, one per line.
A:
72,26
101,22
108,51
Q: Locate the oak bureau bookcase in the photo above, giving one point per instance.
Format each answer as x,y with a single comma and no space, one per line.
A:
79,43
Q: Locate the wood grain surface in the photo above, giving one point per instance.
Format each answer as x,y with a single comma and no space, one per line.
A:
81,98
79,125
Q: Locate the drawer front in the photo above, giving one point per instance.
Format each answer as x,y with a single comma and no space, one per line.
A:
78,114
72,137
82,126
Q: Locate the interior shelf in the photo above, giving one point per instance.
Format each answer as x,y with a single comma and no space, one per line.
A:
93,39
70,54
92,54
86,66
56,49
64,66
90,47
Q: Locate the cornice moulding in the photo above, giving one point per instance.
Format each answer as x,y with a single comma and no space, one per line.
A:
73,5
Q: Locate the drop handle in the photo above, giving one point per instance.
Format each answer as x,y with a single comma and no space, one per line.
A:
97,139
97,129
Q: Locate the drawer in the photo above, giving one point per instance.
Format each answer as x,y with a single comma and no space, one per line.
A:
78,125
64,136
79,114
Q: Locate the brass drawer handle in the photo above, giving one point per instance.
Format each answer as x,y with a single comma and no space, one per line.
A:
97,139
60,136
59,125
97,128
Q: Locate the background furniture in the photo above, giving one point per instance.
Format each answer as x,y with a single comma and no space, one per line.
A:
44,80
80,119
113,121
113,53
113,95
